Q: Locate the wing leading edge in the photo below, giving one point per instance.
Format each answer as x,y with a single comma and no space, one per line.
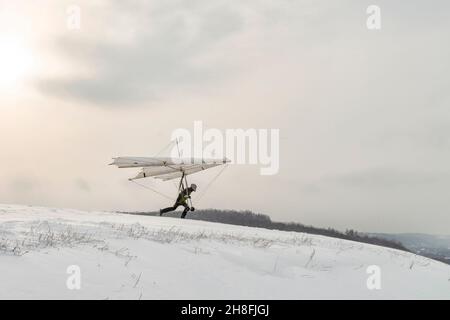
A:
166,168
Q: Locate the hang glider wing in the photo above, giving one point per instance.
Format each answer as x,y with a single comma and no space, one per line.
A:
166,168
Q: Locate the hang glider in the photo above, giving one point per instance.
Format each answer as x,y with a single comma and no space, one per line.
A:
166,168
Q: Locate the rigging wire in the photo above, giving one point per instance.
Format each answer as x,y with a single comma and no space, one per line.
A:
197,199
155,191
163,149
210,183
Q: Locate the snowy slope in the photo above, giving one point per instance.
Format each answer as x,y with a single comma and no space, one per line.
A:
139,257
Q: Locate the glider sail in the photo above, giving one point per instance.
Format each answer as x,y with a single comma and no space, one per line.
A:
166,168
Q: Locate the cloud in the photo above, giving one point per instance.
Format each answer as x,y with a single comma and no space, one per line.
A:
157,54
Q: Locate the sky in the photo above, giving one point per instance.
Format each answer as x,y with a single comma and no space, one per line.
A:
363,114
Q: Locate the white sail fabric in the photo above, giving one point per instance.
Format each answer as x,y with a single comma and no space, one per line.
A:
166,168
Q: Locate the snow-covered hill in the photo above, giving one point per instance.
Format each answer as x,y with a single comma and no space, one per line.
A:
139,257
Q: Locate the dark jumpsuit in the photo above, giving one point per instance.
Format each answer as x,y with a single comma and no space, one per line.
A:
181,201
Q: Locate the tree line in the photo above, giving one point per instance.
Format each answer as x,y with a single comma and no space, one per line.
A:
251,219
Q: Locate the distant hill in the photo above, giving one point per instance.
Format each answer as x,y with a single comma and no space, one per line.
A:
432,246
251,219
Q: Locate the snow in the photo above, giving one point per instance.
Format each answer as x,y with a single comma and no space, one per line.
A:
142,257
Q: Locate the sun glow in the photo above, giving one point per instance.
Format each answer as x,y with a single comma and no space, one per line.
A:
15,62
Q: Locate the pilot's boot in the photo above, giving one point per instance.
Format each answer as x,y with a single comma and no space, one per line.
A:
183,215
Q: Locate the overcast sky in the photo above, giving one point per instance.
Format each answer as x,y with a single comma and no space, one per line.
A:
363,115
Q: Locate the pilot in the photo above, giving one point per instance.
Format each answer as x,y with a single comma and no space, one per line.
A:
182,200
